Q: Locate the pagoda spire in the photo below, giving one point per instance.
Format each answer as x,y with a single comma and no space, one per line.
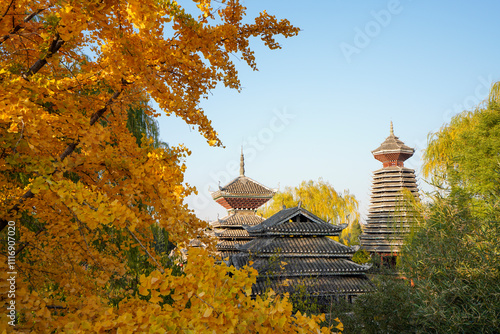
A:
392,152
242,163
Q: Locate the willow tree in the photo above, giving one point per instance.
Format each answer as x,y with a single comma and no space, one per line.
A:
463,155
143,126
79,190
453,257
320,198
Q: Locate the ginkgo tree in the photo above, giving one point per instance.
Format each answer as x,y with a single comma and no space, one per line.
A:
80,191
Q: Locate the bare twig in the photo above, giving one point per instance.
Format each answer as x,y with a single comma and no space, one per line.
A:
24,244
20,137
145,249
7,10
80,224
57,307
213,308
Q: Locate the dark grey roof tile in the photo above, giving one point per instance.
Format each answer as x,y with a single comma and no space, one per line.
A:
302,247
319,286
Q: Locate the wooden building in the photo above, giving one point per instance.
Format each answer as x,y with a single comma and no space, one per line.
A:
389,220
292,249
241,197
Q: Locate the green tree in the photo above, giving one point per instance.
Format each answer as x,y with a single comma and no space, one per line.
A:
389,309
453,258
463,156
140,124
453,261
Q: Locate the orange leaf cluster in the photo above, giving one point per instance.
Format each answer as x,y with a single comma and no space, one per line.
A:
81,191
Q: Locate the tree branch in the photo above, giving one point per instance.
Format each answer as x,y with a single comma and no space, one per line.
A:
56,44
213,308
7,10
69,149
24,244
19,26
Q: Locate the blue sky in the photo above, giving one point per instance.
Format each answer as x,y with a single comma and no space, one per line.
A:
320,105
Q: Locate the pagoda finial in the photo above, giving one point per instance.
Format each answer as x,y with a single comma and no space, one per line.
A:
392,130
242,163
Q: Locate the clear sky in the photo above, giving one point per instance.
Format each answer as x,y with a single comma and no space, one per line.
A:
320,105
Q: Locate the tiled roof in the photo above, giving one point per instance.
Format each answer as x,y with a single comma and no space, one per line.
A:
385,227
388,220
226,255
243,186
394,171
295,267
383,248
233,234
382,242
392,144
294,244
390,216
298,247
236,219
231,245
294,221
389,238
320,286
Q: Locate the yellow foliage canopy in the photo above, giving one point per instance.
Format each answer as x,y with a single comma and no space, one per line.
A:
80,190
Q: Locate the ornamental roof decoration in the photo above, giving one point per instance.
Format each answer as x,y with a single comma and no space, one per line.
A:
295,221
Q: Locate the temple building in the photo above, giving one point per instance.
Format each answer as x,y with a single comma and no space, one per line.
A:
389,220
291,250
241,197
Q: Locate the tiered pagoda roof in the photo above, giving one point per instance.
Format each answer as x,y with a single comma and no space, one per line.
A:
241,197
388,220
292,248
392,152
243,192
287,222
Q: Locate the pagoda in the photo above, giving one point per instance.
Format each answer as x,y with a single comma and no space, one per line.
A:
292,249
241,197
389,220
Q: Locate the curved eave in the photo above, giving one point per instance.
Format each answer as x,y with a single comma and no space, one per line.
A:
268,233
403,150
321,286
220,194
264,192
